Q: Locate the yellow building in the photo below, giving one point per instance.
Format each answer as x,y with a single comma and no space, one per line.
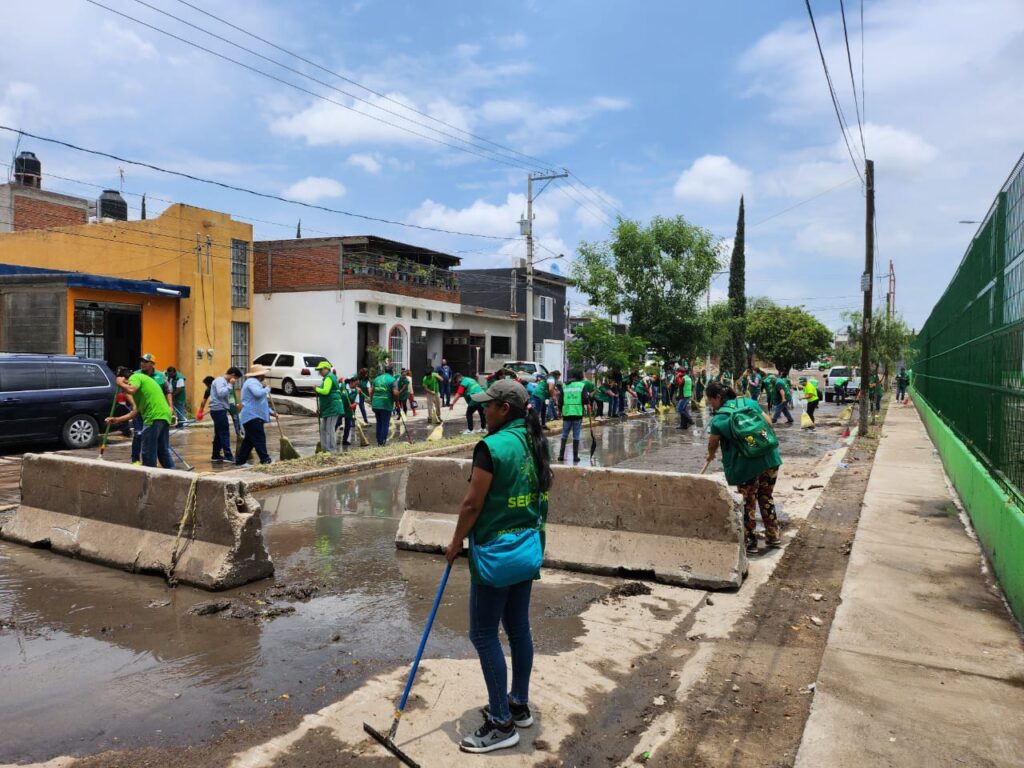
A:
201,331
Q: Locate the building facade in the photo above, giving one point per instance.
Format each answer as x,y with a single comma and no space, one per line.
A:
505,290
347,298
206,252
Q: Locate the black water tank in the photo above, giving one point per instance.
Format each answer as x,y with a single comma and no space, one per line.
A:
111,206
28,170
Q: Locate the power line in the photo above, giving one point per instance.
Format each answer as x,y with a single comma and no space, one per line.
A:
235,188
514,161
803,202
843,128
863,108
397,102
314,94
849,61
596,194
583,204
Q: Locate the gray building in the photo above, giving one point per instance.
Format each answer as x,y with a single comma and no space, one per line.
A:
505,289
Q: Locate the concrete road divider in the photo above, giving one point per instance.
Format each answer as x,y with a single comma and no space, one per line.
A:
129,517
665,526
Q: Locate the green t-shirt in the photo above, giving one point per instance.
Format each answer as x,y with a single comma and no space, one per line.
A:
769,390
601,395
383,399
513,501
431,383
469,388
786,389
150,399
810,391
840,381
404,383
738,468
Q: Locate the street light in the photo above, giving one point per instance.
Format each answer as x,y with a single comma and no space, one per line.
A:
968,221
549,258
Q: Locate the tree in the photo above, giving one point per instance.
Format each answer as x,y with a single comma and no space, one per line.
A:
890,338
716,321
787,336
596,343
656,274
738,358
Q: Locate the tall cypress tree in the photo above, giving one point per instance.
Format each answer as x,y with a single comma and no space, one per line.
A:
738,299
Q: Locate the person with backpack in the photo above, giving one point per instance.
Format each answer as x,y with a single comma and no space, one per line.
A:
750,456
504,513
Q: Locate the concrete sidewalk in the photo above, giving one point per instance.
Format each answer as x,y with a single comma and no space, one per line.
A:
924,666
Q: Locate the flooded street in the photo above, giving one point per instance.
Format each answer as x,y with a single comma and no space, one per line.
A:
94,659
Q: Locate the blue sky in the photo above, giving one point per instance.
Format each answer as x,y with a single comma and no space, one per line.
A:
661,107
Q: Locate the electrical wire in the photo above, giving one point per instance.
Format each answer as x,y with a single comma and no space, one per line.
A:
843,127
235,188
597,194
803,202
853,84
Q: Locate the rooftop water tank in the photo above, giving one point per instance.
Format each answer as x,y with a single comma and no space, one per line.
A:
111,206
28,171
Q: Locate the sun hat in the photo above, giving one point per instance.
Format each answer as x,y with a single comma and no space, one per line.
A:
257,370
503,391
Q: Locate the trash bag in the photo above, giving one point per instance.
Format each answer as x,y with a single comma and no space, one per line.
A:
806,422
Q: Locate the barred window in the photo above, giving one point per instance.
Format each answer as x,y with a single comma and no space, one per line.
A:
239,273
240,345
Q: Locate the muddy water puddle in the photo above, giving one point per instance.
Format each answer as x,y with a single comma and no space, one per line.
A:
94,659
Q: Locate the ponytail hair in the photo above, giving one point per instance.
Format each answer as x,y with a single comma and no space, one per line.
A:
718,389
538,445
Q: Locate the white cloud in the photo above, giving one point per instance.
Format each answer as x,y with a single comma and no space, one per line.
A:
829,240
712,179
609,103
512,42
897,149
368,163
312,189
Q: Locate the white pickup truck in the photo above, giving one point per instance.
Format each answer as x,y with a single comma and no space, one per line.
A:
852,375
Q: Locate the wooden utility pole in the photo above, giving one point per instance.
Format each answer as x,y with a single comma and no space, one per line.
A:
526,228
867,280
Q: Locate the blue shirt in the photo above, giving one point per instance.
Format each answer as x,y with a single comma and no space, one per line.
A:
445,371
220,394
255,404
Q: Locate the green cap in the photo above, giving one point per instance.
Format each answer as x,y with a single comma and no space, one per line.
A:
322,364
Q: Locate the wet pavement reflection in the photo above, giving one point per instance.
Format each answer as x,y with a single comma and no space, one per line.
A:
93,658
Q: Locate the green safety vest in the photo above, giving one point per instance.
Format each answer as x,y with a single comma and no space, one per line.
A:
572,399
469,388
687,386
383,400
513,501
329,402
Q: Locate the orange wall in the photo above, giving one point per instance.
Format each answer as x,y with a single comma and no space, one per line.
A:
159,321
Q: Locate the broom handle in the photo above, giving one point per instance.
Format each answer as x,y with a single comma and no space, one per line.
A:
419,651
276,417
106,432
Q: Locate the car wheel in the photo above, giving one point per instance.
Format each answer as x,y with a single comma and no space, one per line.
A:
288,387
79,431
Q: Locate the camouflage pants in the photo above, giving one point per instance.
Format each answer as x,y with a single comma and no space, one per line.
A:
758,493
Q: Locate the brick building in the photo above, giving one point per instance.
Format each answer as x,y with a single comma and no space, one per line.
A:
24,204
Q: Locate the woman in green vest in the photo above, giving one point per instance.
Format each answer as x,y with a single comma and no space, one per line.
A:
468,387
383,398
753,475
507,497
328,400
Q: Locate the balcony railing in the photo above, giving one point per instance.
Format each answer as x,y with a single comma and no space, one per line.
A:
398,269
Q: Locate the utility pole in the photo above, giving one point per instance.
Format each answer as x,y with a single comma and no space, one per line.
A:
866,281
526,228
890,296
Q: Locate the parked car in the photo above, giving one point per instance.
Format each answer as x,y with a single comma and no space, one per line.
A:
291,372
533,371
54,397
852,386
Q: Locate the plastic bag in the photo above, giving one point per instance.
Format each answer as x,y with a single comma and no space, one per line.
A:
806,422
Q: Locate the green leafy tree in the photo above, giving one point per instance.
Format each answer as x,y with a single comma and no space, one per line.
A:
656,274
891,339
596,343
738,357
716,323
787,336
377,357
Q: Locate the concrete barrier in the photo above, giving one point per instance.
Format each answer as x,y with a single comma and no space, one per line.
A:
128,517
665,526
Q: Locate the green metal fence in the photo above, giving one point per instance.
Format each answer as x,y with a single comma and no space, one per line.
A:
970,367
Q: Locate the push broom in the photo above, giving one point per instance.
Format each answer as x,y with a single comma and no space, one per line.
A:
288,451
388,742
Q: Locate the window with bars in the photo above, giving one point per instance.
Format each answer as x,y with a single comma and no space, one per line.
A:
89,332
240,345
396,347
239,273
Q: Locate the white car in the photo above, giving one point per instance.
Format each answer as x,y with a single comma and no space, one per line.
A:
533,371
852,385
291,372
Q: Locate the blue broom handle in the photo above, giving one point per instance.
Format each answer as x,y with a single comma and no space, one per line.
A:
423,640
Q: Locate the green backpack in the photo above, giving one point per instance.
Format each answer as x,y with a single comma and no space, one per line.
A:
754,437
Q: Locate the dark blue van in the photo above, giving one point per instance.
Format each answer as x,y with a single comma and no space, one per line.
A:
54,397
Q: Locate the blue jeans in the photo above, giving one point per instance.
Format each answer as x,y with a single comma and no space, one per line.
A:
221,435
782,408
538,407
383,416
575,423
137,430
179,411
446,392
613,406
362,410
683,409
255,438
350,422
156,445
900,392
511,607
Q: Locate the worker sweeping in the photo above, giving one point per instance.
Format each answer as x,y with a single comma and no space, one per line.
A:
383,398
432,386
504,513
750,456
328,398
467,388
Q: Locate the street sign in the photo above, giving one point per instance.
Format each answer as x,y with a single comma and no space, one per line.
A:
865,282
